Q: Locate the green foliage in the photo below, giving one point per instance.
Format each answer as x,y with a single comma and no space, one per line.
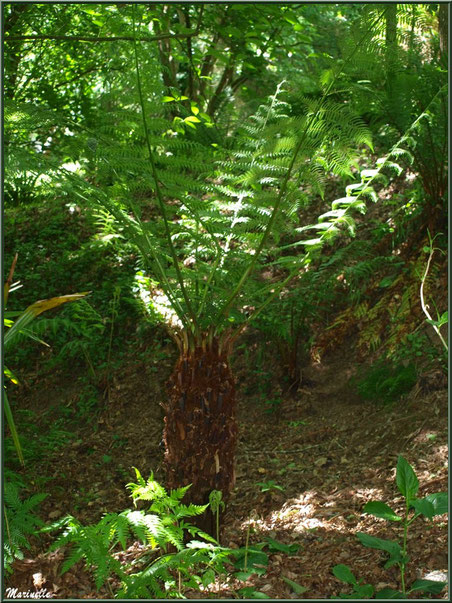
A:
269,485
20,522
164,504
161,529
216,505
427,507
167,566
385,382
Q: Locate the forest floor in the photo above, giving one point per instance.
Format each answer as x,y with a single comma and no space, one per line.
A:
328,450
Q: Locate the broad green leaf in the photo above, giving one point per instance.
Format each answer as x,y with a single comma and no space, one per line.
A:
364,591
424,507
274,545
380,509
298,589
168,99
389,593
428,586
406,479
249,592
252,558
243,576
344,573
440,502
208,577
391,547
192,119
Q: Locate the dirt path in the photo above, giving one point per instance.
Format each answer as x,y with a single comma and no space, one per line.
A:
326,452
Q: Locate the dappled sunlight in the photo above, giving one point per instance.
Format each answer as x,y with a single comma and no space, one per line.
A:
155,300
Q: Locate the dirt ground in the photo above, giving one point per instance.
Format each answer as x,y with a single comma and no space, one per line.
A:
328,450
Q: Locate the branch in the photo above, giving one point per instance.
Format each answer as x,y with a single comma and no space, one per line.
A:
424,305
103,39
9,280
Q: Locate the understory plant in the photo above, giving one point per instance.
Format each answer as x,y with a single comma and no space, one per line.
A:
175,555
19,521
427,507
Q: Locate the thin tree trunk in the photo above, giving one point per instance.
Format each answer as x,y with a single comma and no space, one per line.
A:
13,24
391,57
200,427
443,22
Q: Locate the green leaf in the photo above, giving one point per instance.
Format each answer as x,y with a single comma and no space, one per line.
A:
208,577
250,593
253,558
380,509
192,119
168,99
406,479
424,507
274,545
344,573
364,591
243,576
428,586
298,589
389,546
389,593
440,502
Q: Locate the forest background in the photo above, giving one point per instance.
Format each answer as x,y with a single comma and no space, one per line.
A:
240,212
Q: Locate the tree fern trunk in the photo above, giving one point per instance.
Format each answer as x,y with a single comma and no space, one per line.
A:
200,426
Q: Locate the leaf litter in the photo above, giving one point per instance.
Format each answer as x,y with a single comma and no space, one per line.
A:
327,450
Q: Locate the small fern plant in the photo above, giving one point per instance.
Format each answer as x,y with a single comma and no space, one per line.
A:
167,565
168,507
20,522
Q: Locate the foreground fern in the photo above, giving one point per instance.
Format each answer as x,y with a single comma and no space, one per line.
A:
169,565
20,522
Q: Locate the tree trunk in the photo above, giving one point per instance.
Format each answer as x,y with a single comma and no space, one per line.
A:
443,23
200,431
391,59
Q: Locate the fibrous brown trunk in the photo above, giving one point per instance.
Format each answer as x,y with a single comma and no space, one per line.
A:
200,431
